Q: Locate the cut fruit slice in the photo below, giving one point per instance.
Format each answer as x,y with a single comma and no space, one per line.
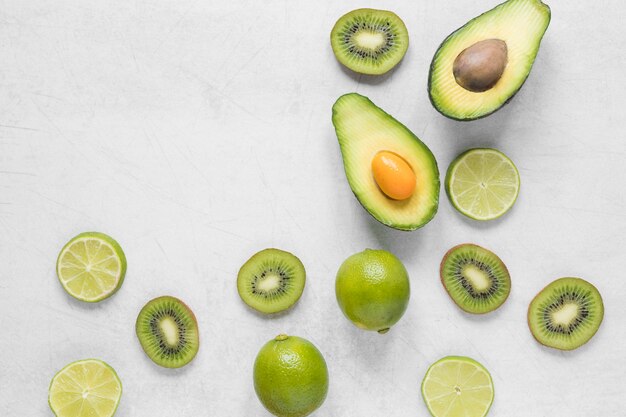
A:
168,332
271,281
482,183
91,267
85,388
457,386
369,41
480,66
365,131
566,314
475,278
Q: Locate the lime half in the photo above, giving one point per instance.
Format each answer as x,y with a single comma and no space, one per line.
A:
482,183
456,386
85,388
91,266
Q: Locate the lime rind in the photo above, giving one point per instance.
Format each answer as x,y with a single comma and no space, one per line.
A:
460,189
290,376
80,362
105,240
373,289
461,360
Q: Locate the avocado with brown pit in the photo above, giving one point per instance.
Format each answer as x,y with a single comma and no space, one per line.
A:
480,66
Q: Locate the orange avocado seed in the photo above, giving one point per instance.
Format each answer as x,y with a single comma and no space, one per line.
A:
393,175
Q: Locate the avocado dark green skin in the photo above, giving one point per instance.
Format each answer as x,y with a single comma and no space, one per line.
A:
432,64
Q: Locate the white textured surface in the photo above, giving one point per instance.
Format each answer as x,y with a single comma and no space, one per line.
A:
199,132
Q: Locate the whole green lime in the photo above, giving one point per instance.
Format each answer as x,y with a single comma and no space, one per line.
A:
373,289
290,376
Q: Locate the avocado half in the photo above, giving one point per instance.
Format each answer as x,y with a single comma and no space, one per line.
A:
363,130
514,30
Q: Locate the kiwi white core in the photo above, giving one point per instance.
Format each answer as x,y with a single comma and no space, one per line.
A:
565,314
477,277
169,329
369,40
269,283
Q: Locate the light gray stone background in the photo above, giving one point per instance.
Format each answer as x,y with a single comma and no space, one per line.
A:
198,132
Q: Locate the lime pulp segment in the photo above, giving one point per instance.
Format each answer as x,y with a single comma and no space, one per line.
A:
457,386
482,183
91,266
85,388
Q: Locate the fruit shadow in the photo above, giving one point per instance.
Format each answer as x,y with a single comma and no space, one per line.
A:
400,243
369,79
83,305
570,353
491,316
518,113
169,372
487,224
273,316
370,348
482,133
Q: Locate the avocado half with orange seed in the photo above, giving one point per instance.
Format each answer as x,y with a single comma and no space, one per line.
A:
392,173
482,65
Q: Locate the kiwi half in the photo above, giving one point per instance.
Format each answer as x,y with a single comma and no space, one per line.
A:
566,313
271,281
168,332
475,278
369,41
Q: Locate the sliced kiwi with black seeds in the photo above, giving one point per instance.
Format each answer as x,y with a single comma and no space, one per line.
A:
271,281
369,41
566,313
168,332
475,278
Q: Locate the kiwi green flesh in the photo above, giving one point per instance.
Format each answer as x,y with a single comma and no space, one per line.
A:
271,281
566,314
475,278
369,41
168,332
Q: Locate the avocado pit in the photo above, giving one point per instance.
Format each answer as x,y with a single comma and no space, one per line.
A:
479,67
393,175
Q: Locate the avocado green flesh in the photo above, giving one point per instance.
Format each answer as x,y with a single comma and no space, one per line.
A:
521,24
363,130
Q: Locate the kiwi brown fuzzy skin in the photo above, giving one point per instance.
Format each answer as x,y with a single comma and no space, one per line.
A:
192,316
441,273
567,349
